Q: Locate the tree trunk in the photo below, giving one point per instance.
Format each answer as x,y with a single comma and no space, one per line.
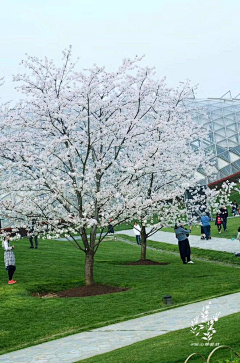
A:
89,264
143,243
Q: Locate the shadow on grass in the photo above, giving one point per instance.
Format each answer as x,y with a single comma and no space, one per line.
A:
81,291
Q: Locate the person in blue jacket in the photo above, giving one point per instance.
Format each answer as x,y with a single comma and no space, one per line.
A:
206,226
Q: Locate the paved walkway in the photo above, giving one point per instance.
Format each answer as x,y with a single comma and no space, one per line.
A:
98,341
217,244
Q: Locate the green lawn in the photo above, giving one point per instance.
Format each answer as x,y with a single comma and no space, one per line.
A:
175,347
27,320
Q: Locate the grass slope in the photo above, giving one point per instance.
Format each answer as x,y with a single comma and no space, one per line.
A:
199,253
27,320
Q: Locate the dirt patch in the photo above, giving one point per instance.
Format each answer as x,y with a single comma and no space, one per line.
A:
146,262
82,291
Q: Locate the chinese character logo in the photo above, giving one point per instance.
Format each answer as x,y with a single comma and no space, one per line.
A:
203,326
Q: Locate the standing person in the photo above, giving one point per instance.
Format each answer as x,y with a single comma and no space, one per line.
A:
206,226
31,232
9,259
137,232
183,242
238,235
224,215
218,222
110,228
235,208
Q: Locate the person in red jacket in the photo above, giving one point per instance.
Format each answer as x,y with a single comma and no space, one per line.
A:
219,222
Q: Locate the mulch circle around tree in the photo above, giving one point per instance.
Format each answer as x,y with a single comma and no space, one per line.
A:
146,262
82,291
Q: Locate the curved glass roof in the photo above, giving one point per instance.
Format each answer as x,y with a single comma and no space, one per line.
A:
222,118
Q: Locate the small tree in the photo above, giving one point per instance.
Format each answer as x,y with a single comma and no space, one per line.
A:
167,168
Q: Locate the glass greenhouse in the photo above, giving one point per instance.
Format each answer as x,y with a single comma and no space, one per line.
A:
222,118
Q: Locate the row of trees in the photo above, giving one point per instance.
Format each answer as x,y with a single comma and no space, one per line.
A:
85,147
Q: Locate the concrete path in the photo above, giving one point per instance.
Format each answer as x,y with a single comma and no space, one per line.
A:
217,244
88,344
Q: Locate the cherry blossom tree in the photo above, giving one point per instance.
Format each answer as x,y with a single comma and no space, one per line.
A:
85,147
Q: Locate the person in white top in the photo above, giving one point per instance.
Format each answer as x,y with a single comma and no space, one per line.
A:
9,259
137,232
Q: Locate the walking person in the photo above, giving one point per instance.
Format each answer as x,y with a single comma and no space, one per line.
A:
206,226
218,222
224,216
9,259
203,236
32,234
183,242
137,232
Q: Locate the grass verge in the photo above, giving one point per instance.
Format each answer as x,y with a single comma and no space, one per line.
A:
55,266
210,255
